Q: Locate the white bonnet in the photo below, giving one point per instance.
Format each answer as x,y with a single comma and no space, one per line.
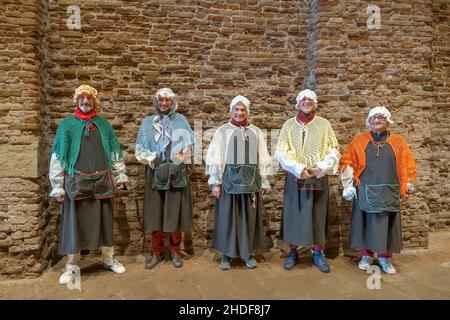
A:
242,99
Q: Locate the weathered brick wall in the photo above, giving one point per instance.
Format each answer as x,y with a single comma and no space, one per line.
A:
439,190
21,56
207,52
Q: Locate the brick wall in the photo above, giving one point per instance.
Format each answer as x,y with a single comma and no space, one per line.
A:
207,52
439,188
21,54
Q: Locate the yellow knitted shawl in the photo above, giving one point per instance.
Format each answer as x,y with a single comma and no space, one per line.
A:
307,144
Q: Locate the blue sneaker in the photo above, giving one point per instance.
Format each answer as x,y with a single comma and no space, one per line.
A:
365,263
386,266
319,261
250,262
225,263
291,260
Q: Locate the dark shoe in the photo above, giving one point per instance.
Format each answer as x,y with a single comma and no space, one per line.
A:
291,260
225,263
151,262
250,262
177,262
319,261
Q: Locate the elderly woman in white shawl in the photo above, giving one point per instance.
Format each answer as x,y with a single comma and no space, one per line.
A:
238,164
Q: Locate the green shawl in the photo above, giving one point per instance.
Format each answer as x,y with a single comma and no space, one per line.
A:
68,141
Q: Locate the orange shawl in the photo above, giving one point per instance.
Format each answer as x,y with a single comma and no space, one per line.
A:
355,156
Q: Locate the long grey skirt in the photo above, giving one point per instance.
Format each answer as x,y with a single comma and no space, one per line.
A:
380,232
166,210
238,225
305,214
86,225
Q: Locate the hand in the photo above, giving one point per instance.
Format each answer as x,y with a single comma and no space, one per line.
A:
60,198
187,155
305,174
262,191
121,186
314,171
216,190
349,193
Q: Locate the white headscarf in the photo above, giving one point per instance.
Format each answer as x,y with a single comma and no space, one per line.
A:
306,93
242,99
379,110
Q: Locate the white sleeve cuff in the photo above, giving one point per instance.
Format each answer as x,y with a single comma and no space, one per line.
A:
349,193
119,172
144,156
56,176
57,192
347,177
329,164
265,183
290,165
121,178
214,180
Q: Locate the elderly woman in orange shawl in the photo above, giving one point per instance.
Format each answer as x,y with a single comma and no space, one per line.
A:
382,167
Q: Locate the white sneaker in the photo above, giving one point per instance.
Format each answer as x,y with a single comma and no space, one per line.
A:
386,265
115,266
69,274
365,263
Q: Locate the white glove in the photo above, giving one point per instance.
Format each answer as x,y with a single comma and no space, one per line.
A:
349,193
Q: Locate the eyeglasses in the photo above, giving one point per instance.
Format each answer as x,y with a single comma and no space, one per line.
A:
379,118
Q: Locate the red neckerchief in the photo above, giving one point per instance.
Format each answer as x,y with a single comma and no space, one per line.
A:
80,115
243,123
305,118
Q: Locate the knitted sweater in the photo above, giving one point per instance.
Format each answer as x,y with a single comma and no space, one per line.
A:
307,144
355,156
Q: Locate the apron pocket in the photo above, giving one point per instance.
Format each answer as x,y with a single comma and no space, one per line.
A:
383,195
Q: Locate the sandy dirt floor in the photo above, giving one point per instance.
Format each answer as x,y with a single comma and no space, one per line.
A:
421,274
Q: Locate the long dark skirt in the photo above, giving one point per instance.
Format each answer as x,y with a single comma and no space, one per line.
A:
238,225
380,232
305,214
166,210
86,225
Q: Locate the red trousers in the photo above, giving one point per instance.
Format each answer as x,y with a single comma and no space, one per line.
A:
157,239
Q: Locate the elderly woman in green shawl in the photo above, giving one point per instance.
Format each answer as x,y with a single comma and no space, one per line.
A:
86,166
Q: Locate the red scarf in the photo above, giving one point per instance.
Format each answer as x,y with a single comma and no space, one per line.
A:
80,115
243,123
305,118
